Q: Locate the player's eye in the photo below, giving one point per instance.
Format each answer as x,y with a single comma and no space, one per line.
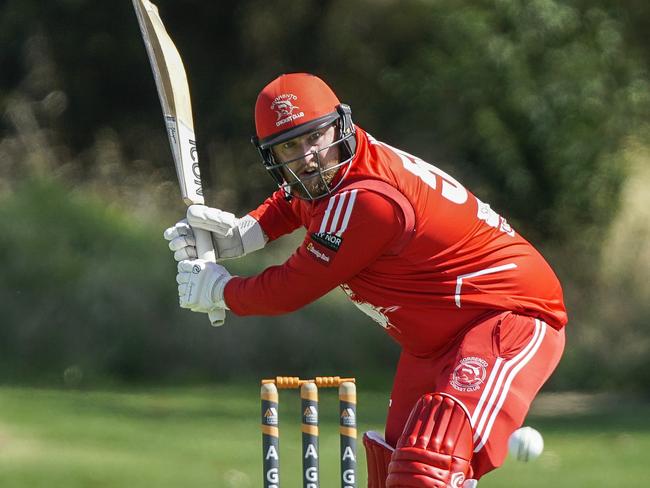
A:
314,136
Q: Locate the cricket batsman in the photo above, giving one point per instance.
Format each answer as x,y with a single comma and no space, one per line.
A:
477,311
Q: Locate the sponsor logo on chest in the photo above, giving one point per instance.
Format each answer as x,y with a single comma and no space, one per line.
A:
319,254
331,241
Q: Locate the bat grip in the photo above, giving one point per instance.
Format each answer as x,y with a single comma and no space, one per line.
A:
204,247
205,250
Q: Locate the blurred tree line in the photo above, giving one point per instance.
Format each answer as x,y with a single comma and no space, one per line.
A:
532,104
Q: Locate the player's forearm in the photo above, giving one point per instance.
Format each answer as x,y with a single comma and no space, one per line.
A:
319,265
277,290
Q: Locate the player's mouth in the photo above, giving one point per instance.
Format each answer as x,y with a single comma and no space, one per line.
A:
308,173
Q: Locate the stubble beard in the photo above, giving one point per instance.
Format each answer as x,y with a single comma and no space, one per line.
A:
316,185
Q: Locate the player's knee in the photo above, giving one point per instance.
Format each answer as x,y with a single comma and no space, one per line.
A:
435,449
378,454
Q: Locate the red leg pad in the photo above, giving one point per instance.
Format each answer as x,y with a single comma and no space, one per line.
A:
378,455
435,448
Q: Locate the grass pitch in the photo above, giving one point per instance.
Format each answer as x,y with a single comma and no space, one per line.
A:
210,437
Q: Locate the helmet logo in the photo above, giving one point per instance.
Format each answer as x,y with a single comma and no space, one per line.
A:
284,107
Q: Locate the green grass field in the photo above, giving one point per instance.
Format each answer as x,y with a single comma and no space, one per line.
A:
210,438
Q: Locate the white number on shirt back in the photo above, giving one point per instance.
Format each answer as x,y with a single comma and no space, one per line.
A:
451,189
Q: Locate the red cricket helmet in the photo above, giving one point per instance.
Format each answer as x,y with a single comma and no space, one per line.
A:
295,104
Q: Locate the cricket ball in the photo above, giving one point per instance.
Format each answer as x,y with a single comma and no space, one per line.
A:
525,444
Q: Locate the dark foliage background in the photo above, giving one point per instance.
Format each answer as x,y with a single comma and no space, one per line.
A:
540,107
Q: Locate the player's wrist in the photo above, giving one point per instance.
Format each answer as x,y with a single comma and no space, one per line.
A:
217,291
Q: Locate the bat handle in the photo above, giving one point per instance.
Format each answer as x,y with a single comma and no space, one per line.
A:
205,250
204,247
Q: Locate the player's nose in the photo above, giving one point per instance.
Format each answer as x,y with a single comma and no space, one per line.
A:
310,151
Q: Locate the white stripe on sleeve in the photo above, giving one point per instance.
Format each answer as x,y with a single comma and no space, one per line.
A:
348,212
337,213
326,217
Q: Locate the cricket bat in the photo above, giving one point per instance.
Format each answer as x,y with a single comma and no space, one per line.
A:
174,94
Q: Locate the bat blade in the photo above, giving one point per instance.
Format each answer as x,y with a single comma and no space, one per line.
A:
174,94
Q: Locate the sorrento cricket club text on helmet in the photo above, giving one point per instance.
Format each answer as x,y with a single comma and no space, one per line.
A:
291,106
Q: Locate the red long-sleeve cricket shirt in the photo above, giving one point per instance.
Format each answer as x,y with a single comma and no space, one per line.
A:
409,245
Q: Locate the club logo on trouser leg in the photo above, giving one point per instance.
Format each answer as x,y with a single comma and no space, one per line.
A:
469,374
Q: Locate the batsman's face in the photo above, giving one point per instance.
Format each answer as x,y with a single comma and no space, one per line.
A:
310,161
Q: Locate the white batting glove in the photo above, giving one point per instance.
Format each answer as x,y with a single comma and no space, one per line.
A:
181,241
231,237
200,286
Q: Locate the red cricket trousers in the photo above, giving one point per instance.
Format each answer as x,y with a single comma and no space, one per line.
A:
494,370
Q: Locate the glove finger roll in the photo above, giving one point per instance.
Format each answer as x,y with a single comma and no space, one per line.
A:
181,228
185,254
182,289
182,278
181,242
187,266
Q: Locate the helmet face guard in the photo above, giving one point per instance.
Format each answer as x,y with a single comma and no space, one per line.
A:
346,141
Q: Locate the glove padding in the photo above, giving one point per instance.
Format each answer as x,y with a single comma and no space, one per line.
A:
200,287
231,237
